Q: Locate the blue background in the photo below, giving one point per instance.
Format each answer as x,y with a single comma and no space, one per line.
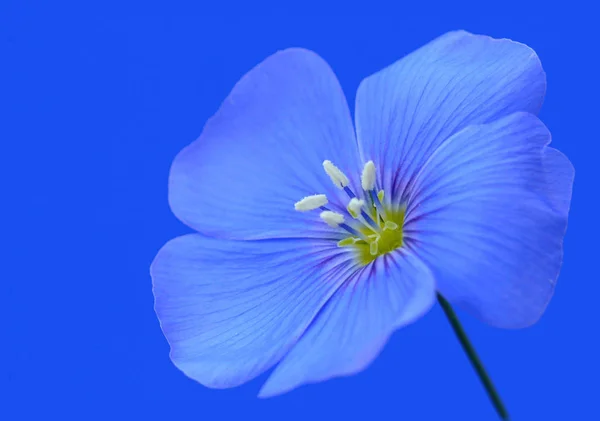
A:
95,105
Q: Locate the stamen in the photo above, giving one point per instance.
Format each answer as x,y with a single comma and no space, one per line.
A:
349,241
333,219
354,232
336,175
311,202
373,248
389,225
355,207
370,232
377,199
367,178
369,221
349,192
336,220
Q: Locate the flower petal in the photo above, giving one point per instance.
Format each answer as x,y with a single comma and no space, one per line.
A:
263,151
231,309
481,216
559,174
405,111
350,331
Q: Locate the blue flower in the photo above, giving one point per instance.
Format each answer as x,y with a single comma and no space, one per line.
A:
317,238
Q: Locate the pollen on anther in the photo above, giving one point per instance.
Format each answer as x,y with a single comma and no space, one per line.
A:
355,206
311,202
333,219
336,175
367,178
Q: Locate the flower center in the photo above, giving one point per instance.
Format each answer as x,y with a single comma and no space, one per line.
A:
373,229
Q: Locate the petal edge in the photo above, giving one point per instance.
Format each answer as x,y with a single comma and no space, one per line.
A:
481,218
405,111
352,328
231,309
263,151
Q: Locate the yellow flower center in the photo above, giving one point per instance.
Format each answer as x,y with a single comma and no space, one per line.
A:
376,244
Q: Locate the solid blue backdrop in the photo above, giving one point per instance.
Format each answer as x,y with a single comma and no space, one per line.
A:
95,108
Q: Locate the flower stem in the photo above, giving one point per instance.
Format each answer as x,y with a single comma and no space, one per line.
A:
473,358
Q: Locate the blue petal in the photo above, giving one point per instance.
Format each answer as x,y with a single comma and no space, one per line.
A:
559,175
481,214
353,327
263,151
404,112
231,309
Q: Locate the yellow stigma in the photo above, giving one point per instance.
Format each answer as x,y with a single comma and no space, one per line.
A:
388,238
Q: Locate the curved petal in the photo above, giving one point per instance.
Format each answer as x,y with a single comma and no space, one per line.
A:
559,174
231,309
350,331
405,111
263,151
481,216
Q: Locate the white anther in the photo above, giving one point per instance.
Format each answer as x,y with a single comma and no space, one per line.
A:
311,202
368,176
336,175
355,206
333,219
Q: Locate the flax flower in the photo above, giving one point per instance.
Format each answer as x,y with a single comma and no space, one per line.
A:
318,238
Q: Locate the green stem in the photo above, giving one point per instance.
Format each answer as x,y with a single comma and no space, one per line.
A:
473,358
